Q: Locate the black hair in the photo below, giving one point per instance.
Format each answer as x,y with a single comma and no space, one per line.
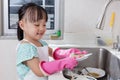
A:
31,12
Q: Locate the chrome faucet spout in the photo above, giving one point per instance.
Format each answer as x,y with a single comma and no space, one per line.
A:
100,23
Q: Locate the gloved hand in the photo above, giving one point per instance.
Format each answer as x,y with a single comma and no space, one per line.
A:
60,53
58,65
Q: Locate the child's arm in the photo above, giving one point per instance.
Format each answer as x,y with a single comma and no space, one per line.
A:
42,68
26,53
50,51
33,64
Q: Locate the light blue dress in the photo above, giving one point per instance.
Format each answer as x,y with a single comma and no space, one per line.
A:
27,51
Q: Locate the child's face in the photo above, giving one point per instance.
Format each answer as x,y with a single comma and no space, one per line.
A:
35,30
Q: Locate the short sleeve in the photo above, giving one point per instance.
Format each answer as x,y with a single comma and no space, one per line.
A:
26,52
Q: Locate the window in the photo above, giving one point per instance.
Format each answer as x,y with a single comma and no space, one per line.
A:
10,15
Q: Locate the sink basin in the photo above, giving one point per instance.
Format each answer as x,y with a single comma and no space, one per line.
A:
103,59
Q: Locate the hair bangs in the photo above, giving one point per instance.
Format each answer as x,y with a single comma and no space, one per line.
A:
34,14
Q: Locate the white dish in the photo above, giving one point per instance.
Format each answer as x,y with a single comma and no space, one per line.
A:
84,57
98,71
83,77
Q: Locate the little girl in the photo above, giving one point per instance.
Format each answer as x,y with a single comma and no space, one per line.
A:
33,53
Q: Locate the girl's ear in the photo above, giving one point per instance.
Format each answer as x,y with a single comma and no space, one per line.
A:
21,24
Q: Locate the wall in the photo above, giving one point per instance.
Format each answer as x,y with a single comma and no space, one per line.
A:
80,21
83,16
0,15
7,60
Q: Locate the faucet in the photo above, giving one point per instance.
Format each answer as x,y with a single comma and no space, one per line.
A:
100,24
116,45
101,21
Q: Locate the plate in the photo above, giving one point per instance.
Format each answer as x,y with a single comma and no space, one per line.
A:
94,72
84,57
83,77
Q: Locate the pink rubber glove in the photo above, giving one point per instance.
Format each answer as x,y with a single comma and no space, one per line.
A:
60,53
58,65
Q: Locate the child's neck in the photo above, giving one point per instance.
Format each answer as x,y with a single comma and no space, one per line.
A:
35,42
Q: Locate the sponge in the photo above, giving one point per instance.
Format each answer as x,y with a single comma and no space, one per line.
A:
56,35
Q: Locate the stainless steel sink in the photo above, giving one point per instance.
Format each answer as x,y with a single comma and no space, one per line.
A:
101,58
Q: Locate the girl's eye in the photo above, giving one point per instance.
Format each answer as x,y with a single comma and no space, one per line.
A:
44,25
36,24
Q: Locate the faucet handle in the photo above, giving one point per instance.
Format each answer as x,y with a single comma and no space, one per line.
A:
118,46
118,39
115,45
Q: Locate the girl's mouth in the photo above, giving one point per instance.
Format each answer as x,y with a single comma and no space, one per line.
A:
40,34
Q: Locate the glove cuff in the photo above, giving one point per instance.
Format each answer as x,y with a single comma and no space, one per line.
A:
45,73
55,53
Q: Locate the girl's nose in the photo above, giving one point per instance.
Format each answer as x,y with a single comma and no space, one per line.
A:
42,28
